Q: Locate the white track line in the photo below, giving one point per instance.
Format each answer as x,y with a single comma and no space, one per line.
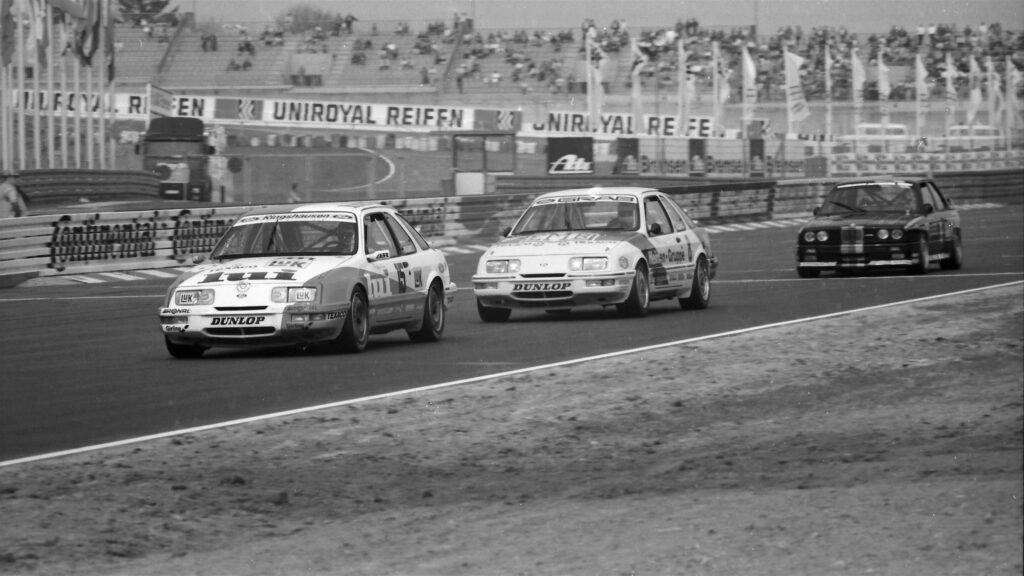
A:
477,379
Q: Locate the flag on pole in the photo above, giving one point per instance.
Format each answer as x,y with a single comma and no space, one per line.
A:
87,34
640,60
921,93
993,88
884,87
950,74
7,41
749,87
828,91
974,96
1013,108
596,57
716,82
796,104
683,71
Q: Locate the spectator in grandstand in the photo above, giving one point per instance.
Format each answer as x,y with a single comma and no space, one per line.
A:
293,194
12,205
349,20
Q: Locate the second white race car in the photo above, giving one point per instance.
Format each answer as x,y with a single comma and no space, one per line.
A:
620,246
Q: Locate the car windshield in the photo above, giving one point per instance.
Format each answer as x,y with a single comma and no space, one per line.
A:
580,213
272,236
870,197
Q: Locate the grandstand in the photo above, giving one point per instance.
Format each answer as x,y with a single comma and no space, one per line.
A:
432,62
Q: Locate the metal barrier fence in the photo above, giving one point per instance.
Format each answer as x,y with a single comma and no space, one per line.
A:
77,243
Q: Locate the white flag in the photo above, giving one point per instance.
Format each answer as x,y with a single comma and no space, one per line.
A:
796,104
974,103
921,92
749,87
950,75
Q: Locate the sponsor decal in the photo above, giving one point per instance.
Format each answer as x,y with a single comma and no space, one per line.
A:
173,311
540,286
239,276
176,328
237,320
297,216
292,262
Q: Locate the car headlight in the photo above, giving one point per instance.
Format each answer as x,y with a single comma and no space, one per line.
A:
284,294
821,235
897,234
883,234
588,264
510,266
202,297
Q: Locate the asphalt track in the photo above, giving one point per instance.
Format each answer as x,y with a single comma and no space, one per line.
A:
85,364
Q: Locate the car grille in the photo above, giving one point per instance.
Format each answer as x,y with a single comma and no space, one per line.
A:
852,240
543,275
239,308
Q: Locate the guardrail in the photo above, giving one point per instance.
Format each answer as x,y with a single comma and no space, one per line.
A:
77,243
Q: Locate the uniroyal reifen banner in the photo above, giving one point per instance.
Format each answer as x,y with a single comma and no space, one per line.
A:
570,156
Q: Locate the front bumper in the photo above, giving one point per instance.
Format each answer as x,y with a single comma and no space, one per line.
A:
553,292
866,257
292,324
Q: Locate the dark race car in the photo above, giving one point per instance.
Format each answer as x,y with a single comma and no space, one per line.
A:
881,222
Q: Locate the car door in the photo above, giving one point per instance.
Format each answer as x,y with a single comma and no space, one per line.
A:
942,221
669,254
411,268
384,264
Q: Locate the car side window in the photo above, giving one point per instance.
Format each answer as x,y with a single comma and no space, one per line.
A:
932,196
377,236
404,242
657,218
675,214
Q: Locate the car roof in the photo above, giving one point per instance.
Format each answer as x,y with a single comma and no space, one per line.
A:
621,190
348,207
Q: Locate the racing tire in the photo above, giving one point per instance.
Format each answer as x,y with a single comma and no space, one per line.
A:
807,272
700,294
921,267
491,314
184,351
956,258
639,301
355,333
433,316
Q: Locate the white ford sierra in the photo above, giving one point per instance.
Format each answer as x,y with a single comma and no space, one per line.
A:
304,274
621,246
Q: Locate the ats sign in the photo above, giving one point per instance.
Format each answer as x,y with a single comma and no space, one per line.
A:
570,155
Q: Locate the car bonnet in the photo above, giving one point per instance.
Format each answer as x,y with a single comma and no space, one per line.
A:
277,269
570,242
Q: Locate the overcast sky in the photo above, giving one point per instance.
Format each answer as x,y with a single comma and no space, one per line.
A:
770,15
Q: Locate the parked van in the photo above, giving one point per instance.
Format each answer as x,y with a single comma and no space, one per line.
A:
965,138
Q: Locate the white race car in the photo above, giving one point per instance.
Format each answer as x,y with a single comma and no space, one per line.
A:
622,246
332,273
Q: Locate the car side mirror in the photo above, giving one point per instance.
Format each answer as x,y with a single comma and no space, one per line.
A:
506,231
654,229
928,209
816,210
378,255
198,258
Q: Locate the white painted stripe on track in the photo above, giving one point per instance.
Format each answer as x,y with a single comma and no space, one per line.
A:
477,379
157,273
82,279
119,276
456,250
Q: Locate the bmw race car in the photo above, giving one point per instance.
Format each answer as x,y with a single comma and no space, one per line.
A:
881,222
331,273
618,246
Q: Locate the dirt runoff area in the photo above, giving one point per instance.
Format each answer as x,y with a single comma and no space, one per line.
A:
883,442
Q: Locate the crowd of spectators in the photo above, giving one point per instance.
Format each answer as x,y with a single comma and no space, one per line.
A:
526,60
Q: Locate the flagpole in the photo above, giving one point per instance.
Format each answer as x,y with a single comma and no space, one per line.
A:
101,55
590,79
828,90
77,98
950,94
37,128
64,90
19,98
683,88
51,153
